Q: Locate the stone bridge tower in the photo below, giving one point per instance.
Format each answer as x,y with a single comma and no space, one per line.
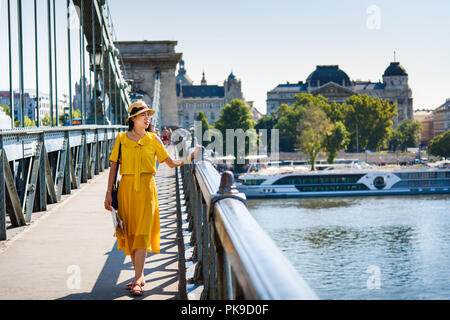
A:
142,59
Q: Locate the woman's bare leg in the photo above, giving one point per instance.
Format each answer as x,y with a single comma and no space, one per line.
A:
139,262
132,256
132,259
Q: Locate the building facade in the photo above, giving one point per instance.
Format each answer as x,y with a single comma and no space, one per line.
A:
441,118
142,62
425,117
30,106
335,84
76,102
203,97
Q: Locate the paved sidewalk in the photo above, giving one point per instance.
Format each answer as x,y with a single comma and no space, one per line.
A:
70,252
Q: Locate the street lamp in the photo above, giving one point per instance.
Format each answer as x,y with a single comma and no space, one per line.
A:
130,84
96,65
96,57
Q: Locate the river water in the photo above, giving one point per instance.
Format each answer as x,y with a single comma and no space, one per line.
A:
364,247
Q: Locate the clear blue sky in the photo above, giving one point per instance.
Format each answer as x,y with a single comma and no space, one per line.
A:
270,42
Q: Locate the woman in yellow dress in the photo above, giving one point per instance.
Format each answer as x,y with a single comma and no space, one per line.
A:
137,195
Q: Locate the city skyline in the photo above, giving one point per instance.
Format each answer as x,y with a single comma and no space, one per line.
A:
265,44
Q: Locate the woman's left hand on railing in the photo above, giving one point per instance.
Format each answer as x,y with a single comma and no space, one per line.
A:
196,151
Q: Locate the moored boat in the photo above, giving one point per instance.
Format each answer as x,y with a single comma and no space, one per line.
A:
342,181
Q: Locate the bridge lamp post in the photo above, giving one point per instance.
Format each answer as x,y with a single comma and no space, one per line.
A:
96,65
130,84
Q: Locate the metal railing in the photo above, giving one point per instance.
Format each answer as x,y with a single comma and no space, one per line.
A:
39,165
234,258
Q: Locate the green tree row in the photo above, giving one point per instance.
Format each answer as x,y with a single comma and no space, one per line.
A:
314,125
362,122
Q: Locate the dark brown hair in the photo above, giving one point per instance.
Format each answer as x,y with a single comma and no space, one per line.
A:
131,123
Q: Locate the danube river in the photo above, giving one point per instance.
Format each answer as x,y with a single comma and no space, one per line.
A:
364,248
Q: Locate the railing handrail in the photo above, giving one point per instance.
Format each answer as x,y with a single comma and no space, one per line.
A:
261,269
34,130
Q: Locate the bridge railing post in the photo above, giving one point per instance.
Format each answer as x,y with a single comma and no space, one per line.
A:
2,195
67,185
42,183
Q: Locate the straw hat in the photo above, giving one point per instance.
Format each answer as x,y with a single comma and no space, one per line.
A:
139,104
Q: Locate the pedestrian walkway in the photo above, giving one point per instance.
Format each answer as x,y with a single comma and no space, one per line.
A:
70,252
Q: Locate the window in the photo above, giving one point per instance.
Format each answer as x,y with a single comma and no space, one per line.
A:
319,180
429,175
330,188
414,175
253,182
379,182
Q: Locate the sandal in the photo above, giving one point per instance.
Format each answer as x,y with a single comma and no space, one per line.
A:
131,285
138,292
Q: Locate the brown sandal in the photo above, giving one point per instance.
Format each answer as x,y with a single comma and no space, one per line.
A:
131,285
137,292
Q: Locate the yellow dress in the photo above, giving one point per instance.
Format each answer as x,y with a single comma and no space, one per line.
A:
137,196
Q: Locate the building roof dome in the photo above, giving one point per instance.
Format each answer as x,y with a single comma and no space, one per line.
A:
395,69
325,74
231,76
182,76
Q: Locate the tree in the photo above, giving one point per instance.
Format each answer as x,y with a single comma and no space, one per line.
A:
76,113
236,115
409,131
339,137
372,117
336,140
62,119
45,121
205,126
336,111
312,130
395,140
406,135
287,122
6,109
28,122
267,123
440,145
289,117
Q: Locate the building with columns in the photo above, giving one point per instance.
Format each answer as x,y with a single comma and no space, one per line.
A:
334,84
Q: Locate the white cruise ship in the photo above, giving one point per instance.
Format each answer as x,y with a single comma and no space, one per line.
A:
342,180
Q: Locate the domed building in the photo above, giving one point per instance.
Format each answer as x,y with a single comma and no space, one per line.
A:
334,84
182,76
326,74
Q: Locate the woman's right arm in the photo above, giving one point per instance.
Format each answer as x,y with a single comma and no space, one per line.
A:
108,197
113,160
